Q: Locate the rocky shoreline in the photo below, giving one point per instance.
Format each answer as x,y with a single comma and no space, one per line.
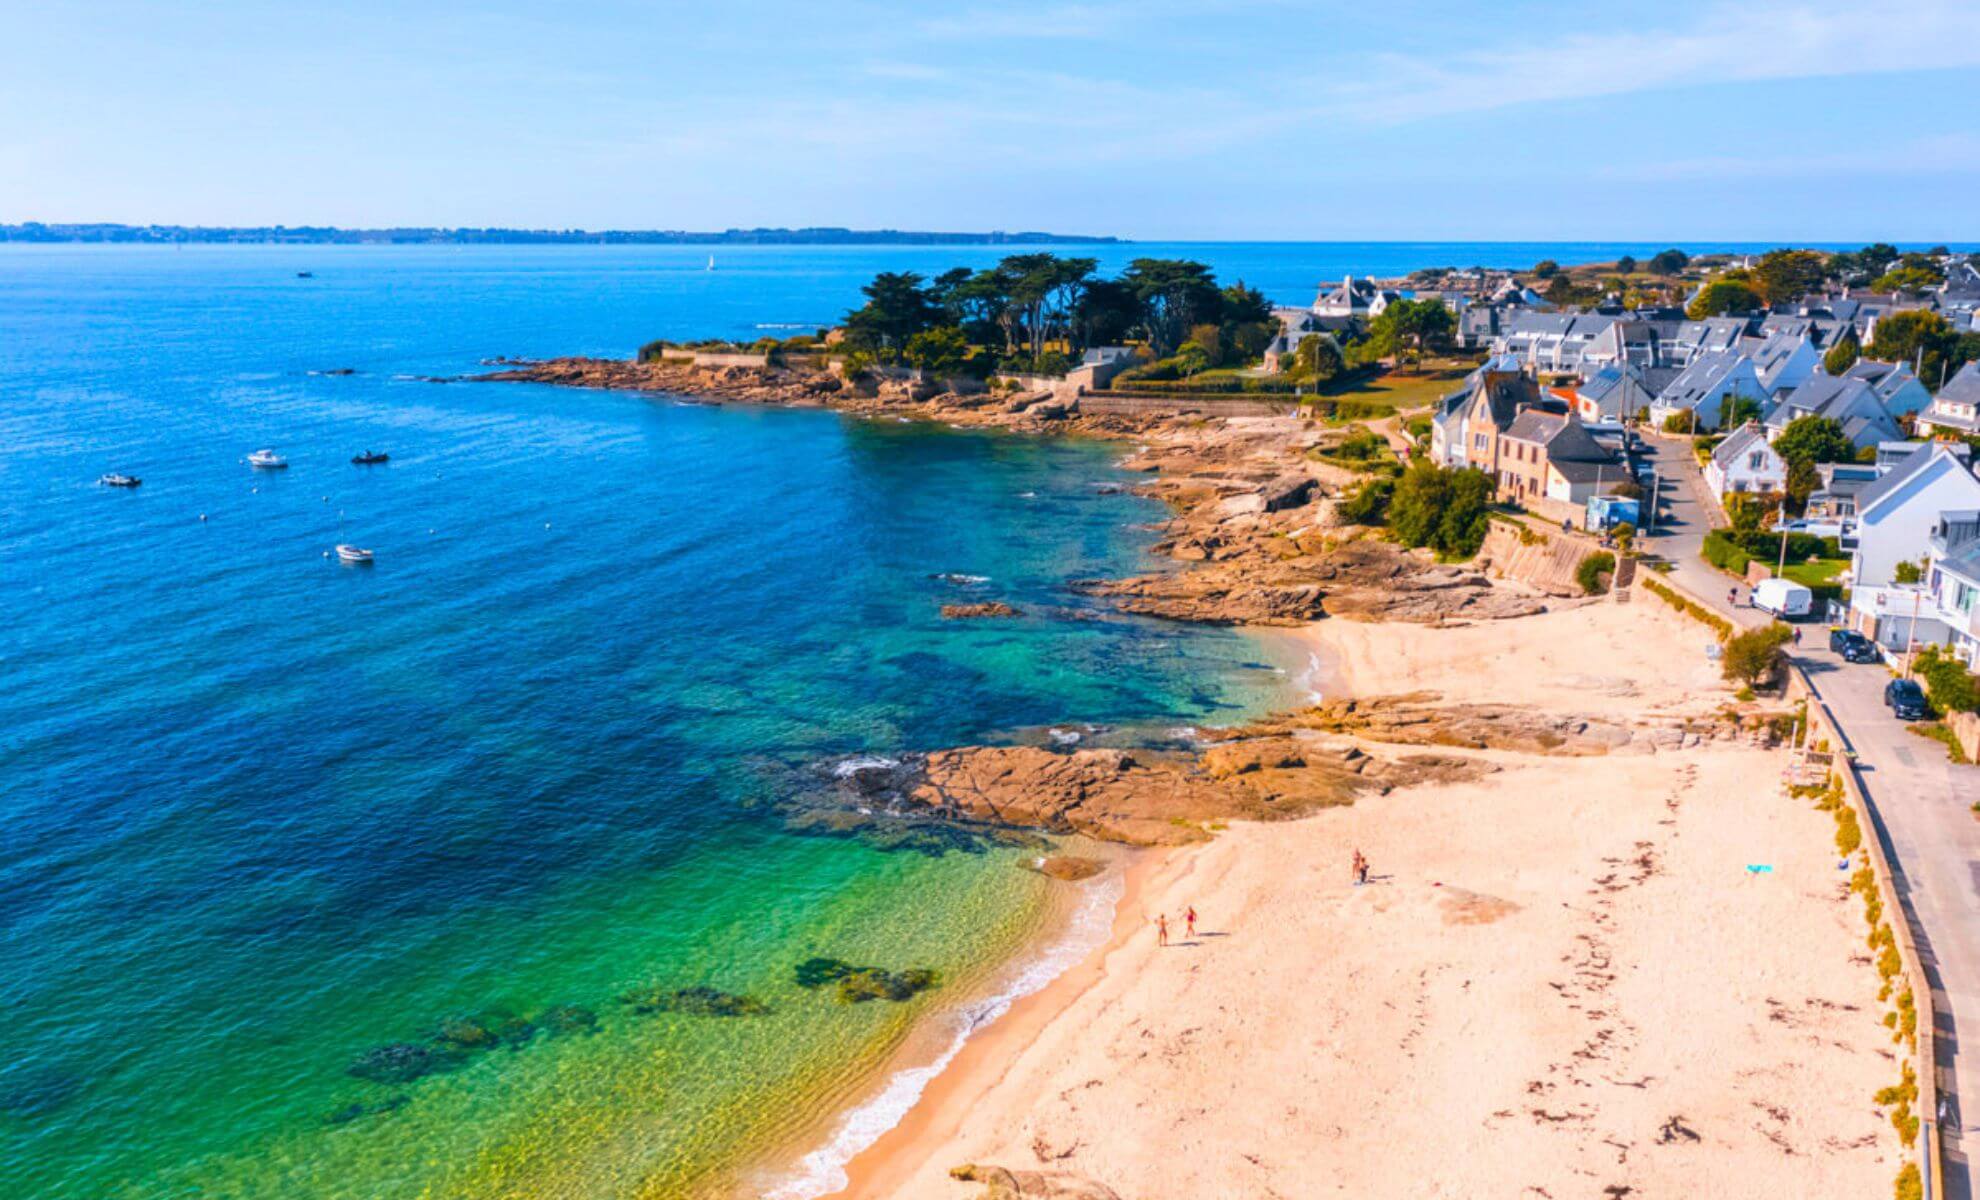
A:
1258,537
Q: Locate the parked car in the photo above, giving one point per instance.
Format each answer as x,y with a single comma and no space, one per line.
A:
1853,646
1906,699
1784,598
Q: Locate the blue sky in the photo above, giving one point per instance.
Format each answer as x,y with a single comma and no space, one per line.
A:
1215,119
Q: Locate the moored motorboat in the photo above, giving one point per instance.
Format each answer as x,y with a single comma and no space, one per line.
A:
266,460
356,555
369,457
113,479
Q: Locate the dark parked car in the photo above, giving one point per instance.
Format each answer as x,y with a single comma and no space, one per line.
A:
1906,699
1853,646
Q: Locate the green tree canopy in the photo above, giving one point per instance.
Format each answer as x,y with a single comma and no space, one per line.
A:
1784,276
1814,440
940,351
1914,336
1910,281
897,307
1722,296
1319,356
1441,508
1843,355
1546,268
1244,304
1174,294
1409,326
1669,262
1626,264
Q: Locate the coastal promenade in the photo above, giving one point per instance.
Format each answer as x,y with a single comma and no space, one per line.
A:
1919,800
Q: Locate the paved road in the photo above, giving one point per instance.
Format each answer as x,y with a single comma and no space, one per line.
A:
1922,803
1682,523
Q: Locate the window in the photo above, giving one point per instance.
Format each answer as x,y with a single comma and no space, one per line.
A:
1963,597
1756,461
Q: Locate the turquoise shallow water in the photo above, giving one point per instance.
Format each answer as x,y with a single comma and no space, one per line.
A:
260,814
263,813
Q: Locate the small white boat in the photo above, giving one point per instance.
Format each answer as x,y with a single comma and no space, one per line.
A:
711,262
355,555
123,481
266,460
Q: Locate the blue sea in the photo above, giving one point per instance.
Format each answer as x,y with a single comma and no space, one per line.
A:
277,829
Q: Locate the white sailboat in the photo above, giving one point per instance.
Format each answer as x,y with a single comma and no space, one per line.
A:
711,262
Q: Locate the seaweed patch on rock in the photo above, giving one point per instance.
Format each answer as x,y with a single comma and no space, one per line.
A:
857,985
484,1031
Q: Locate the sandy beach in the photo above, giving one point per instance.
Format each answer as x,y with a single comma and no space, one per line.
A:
1562,978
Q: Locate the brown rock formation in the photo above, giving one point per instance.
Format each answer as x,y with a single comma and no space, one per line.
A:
1002,1183
989,608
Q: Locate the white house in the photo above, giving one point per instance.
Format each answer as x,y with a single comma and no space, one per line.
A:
1745,462
1955,588
1956,409
1354,299
1704,388
1896,520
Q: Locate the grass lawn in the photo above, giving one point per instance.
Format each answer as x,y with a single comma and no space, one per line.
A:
1415,389
1818,575
1817,571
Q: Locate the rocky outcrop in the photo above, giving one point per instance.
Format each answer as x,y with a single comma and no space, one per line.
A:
1417,719
1133,798
990,608
1002,1183
1291,584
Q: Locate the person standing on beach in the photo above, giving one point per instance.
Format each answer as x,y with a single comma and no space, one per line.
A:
1162,929
1189,917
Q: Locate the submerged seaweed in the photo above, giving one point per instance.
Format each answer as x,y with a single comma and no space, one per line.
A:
484,1031
403,1062
561,1019
698,1001
857,985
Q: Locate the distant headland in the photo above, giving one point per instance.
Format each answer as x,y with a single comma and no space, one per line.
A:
36,231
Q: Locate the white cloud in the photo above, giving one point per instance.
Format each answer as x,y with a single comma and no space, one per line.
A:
1727,45
1946,154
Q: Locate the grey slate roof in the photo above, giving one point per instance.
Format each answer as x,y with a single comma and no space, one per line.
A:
1964,386
1701,381
1914,463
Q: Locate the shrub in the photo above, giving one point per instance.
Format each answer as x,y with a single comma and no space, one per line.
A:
1441,508
1948,684
1369,503
1909,1185
1849,833
1754,656
1679,422
1594,571
1361,445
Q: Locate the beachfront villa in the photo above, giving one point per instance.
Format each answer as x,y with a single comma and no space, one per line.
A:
1913,515
1746,463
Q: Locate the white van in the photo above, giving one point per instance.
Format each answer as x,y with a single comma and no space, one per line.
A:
1784,598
